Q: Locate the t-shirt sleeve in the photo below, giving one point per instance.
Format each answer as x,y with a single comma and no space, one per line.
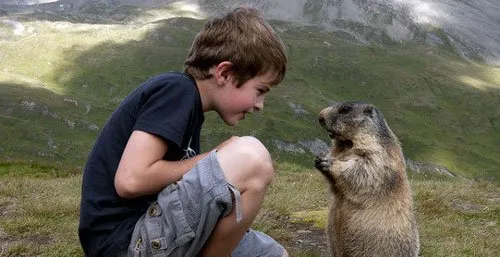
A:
165,111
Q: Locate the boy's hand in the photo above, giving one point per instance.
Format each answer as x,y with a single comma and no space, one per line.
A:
227,142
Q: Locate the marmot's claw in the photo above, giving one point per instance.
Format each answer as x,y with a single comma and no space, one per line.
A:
323,162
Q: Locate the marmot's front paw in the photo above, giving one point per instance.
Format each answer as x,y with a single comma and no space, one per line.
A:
323,162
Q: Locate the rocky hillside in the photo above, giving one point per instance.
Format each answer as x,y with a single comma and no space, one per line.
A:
472,28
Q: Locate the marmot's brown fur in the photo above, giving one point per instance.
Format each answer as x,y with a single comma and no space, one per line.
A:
372,207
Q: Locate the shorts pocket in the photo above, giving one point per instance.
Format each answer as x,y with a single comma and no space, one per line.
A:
166,224
137,246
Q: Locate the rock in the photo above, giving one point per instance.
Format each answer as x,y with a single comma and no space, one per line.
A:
93,127
297,108
315,146
419,167
287,147
72,101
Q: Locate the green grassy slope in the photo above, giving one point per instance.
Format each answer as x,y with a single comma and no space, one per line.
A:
61,80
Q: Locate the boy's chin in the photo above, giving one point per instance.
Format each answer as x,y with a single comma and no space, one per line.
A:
231,121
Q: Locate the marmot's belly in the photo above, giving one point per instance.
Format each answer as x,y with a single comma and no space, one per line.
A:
371,233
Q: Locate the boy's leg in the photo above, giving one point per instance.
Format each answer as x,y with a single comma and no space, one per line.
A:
255,243
247,165
180,221
186,219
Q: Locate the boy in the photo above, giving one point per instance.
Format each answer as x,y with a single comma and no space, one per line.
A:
147,191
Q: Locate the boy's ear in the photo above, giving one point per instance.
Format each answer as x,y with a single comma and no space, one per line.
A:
223,72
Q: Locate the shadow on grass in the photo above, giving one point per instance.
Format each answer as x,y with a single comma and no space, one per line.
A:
37,125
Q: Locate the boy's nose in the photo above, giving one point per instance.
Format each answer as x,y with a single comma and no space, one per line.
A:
259,105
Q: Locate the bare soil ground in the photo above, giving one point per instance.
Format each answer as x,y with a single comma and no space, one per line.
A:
308,239
304,239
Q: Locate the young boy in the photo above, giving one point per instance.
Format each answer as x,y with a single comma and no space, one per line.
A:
148,191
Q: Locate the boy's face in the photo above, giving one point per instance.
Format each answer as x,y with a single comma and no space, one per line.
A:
235,102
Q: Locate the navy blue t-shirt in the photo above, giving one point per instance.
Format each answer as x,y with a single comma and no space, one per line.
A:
169,106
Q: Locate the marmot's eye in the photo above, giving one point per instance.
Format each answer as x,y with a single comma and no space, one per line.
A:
368,111
321,120
345,109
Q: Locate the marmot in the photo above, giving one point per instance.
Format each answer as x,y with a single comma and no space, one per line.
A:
372,208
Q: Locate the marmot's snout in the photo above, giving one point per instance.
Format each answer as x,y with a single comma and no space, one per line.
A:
322,121
324,118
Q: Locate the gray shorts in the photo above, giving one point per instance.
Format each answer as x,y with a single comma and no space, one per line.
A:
185,214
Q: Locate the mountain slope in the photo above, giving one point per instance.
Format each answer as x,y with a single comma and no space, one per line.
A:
61,77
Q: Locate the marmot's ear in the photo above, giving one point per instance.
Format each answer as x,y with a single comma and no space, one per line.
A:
369,111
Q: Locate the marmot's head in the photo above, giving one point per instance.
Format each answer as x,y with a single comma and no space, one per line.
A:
350,122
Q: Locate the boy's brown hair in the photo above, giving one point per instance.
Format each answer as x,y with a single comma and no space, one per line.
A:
243,38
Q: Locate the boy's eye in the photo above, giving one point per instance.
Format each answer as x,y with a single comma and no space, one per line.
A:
263,90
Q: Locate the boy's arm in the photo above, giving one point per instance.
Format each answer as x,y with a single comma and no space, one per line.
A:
142,171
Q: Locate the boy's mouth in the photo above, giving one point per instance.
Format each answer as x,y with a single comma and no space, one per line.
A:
245,113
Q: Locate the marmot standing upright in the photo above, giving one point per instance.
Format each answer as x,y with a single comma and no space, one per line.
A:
372,207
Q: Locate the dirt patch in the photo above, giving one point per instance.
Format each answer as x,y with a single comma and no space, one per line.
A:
467,207
6,207
3,235
303,238
9,242
309,239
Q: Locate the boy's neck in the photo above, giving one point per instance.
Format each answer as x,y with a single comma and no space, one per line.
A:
208,87
205,87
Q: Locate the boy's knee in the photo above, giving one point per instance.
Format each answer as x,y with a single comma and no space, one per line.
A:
248,159
257,150
256,156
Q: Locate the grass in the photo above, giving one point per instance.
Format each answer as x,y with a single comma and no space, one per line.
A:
39,210
456,217
453,212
